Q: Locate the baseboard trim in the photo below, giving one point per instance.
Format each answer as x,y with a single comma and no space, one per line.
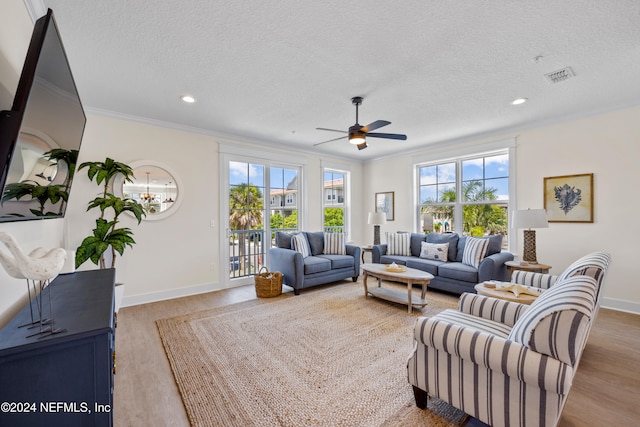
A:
621,305
132,300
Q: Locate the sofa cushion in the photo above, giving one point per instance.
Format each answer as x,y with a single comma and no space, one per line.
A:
428,265
316,264
300,244
474,251
334,244
398,259
450,238
316,242
339,261
398,244
416,243
283,240
458,271
435,251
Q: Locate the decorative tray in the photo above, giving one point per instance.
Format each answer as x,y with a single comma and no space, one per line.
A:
398,269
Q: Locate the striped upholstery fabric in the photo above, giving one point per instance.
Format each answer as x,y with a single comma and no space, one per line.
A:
399,244
474,251
599,260
536,280
498,310
505,363
556,322
334,244
300,244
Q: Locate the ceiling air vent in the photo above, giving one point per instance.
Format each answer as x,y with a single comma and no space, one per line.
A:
560,75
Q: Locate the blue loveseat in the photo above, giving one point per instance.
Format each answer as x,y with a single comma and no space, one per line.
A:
318,268
453,275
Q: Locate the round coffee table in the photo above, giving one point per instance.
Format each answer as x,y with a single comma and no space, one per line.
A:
410,276
481,289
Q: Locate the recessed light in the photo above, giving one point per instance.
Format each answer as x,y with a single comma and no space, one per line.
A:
519,101
188,99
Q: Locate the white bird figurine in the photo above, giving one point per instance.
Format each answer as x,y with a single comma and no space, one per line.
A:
39,264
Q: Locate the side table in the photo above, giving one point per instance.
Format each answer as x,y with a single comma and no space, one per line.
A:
366,249
535,268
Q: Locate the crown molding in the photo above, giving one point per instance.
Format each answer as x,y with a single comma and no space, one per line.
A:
35,8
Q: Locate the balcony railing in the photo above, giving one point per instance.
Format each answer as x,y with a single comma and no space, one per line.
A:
247,249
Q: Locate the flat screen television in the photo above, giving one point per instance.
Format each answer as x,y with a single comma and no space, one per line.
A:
40,136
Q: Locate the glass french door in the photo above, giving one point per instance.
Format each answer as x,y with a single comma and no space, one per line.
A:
261,198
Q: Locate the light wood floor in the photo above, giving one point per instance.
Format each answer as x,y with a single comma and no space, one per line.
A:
605,391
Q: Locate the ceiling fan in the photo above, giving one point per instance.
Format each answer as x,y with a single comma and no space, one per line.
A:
357,133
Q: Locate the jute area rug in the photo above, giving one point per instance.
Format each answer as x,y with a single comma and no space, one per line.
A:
328,357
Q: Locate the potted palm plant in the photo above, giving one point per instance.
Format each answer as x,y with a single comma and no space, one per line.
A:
107,239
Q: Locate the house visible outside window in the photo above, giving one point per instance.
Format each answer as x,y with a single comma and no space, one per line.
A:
469,196
334,201
284,192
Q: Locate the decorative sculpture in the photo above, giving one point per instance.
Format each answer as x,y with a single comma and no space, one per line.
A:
39,265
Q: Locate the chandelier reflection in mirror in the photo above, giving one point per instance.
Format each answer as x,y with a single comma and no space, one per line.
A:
155,187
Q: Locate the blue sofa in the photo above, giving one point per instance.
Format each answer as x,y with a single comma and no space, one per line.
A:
314,270
451,276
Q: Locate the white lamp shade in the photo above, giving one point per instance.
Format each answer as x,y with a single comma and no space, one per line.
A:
377,218
530,218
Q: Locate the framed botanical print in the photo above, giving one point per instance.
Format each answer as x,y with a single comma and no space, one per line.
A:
384,203
569,198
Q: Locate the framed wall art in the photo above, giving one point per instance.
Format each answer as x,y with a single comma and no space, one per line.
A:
384,203
569,198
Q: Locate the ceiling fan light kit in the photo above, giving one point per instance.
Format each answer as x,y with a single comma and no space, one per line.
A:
357,134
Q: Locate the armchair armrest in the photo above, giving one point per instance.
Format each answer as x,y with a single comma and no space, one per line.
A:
493,268
290,263
506,312
377,251
536,280
495,353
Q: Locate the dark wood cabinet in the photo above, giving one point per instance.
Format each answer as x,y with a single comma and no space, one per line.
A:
66,378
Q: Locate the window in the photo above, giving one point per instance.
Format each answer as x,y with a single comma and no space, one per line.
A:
334,207
469,196
284,190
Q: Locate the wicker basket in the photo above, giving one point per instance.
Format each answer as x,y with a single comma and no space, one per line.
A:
268,284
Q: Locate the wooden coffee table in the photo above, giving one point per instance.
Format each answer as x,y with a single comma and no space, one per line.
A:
481,289
410,276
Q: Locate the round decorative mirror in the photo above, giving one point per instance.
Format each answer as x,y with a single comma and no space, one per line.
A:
155,187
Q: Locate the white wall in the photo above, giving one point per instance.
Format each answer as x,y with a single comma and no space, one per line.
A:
173,256
607,145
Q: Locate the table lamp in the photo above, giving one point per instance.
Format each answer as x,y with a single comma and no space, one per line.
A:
528,219
377,218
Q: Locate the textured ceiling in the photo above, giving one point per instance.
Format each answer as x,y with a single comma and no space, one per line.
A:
273,71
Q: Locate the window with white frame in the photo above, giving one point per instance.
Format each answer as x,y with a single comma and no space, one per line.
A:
334,201
469,195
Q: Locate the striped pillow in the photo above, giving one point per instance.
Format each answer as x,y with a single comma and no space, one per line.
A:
334,244
300,244
399,244
474,251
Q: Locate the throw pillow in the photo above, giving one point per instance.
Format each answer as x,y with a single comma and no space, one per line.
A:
435,251
334,244
300,244
474,251
399,244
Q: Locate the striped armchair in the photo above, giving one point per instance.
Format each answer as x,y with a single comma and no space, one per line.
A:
505,363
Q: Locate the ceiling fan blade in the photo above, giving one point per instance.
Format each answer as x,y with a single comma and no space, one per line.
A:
375,125
388,136
332,130
334,139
